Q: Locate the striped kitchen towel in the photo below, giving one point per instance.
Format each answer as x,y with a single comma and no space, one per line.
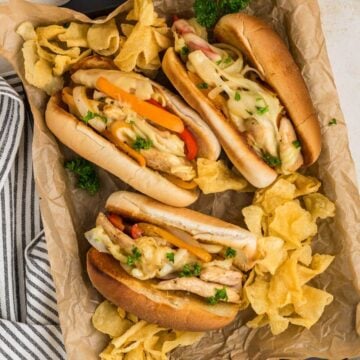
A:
29,324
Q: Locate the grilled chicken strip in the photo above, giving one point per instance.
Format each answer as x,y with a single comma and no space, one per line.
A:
169,163
221,276
115,235
198,287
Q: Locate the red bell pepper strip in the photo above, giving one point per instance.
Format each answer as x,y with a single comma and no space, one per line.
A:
191,148
116,220
136,232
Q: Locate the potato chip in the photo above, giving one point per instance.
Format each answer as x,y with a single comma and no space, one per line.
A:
75,35
304,184
214,176
139,340
107,320
145,40
253,216
271,254
275,195
26,31
292,223
311,309
257,294
143,12
38,72
62,63
127,29
104,38
183,338
319,206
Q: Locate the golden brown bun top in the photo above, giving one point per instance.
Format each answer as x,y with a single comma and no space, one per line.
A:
201,226
269,54
174,310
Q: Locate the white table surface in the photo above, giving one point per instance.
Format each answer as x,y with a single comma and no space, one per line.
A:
341,25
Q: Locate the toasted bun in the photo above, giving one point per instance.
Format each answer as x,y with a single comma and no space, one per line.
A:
93,147
264,48
201,226
168,309
268,53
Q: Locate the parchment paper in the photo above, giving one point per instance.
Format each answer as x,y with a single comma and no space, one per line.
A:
67,212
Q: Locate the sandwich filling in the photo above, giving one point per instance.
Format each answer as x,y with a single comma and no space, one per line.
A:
237,90
157,139
171,258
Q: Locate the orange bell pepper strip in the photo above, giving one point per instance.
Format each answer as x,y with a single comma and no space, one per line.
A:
152,230
143,108
187,185
125,148
191,147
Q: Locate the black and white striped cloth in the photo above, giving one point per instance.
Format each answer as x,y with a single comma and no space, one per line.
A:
29,324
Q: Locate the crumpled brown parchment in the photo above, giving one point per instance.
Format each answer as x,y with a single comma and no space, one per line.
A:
67,212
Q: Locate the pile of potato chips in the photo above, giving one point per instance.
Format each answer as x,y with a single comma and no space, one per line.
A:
283,216
134,339
50,51
144,40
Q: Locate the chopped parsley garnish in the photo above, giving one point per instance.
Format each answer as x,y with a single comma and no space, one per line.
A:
184,51
220,294
190,270
272,161
202,85
218,62
296,144
332,122
141,143
170,256
207,12
261,110
230,252
237,96
87,177
91,115
228,60
136,255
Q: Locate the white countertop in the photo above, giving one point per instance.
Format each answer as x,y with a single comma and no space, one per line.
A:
341,26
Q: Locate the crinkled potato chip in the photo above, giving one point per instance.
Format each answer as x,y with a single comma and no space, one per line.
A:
107,320
38,72
253,216
271,254
319,206
275,195
62,63
134,339
26,31
292,223
214,176
310,310
75,35
104,38
144,41
304,184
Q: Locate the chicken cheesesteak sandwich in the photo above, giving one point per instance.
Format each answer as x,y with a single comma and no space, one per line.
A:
135,129
251,93
174,267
